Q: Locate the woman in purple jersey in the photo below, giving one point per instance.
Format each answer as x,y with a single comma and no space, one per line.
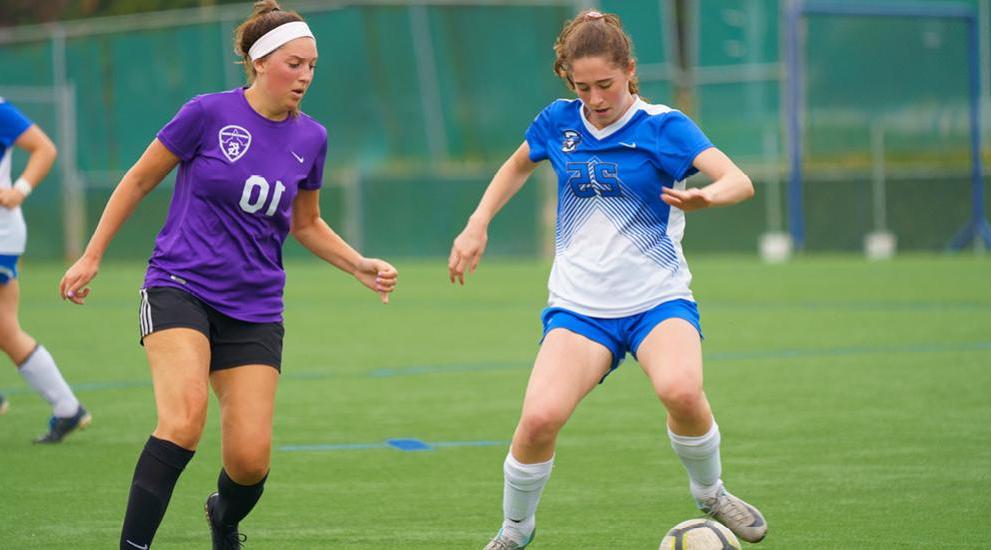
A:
595,58
250,169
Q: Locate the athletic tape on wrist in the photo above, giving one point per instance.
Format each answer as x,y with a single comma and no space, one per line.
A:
24,186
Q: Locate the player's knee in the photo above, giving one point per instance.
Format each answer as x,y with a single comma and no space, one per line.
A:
247,468
541,425
682,399
184,429
10,335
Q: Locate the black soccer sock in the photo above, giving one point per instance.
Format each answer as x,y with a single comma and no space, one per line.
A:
236,500
159,466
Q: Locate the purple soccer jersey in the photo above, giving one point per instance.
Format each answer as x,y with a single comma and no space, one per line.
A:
232,204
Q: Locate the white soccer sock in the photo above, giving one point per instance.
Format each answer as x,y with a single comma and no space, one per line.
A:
42,374
521,494
700,456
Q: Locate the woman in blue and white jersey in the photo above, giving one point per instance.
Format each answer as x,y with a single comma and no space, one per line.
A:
33,361
619,282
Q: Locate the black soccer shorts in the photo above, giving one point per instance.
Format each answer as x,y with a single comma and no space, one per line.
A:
233,342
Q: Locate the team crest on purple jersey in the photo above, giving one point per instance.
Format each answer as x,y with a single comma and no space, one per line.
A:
234,141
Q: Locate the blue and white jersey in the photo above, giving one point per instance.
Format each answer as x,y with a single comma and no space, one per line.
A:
13,233
618,245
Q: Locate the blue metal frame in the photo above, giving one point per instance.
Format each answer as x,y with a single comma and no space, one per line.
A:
977,227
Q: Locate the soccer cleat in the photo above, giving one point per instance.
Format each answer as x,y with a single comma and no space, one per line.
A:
503,542
743,519
225,537
59,427
4,404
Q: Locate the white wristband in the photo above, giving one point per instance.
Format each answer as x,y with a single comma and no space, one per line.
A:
24,186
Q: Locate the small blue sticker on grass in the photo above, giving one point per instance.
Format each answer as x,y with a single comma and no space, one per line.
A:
408,444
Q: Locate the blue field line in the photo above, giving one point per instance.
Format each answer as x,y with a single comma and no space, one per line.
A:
849,306
852,351
483,443
401,444
123,384
334,447
420,370
710,357
87,387
431,369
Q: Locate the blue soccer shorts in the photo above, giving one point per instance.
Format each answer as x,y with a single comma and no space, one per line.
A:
622,334
8,268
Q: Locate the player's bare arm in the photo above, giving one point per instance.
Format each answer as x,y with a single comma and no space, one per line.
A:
730,185
469,246
155,163
42,156
315,235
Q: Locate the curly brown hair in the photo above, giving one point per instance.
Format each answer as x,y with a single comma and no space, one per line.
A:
592,34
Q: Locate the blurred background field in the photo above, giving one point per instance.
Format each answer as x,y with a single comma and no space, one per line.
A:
852,394
423,100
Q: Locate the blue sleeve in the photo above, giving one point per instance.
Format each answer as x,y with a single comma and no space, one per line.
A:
13,123
538,134
314,180
182,135
679,141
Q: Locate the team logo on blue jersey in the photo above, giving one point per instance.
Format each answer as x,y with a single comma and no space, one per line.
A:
234,141
594,177
570,141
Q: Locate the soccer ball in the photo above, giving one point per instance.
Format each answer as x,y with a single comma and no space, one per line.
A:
699,534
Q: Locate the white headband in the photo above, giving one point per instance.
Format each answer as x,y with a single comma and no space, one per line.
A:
278,36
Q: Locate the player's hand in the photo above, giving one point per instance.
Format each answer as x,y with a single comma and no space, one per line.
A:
467,251
378,275
11,198
73,285
687,200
